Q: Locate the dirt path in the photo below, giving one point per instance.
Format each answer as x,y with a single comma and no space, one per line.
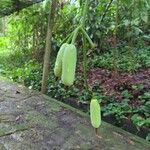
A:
32,121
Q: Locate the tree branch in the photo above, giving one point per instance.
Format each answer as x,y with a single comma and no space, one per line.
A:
106,10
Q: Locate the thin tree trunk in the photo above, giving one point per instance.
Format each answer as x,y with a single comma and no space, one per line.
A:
106,10
115,49
48,47
33,39
85,12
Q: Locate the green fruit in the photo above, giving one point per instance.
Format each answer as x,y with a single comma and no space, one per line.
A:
95,113
69,65
58,62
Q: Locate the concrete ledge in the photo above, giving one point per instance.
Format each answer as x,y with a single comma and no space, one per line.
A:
32,121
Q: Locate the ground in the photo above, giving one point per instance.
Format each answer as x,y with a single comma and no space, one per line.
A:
32,121
113,85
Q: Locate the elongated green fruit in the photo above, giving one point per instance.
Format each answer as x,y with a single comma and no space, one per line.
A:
58,62
95,113
69,65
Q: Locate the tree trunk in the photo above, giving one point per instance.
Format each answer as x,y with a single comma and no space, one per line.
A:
48,47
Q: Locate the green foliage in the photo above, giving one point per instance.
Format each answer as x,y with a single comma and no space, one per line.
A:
4,52
125,64
30,74
143,56
140,121
58,91
148,137
119,109
140,115
85,96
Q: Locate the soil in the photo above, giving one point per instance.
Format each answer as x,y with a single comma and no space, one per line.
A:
113,84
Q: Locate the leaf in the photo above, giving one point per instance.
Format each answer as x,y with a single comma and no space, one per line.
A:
126,22
138,120
148,137
135,22
147,37
137,30
145,18
147,121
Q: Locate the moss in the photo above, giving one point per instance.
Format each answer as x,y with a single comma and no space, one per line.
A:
2,147
60,105
10,129
5,129
53,107
35,118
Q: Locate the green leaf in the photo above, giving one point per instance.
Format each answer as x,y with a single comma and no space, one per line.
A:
148,137
138,120
145,18
126,22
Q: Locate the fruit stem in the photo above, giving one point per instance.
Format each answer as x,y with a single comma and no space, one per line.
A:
96,131
75,34
88,38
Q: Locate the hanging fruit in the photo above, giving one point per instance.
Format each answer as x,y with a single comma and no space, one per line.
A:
58,63
69,65
95,113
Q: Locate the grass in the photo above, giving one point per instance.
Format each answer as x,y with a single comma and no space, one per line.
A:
4,51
